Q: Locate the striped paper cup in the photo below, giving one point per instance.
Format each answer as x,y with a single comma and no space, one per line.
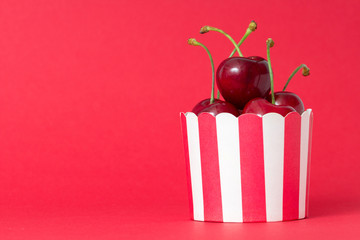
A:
248,168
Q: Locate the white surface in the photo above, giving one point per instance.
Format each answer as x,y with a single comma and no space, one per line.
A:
273,130
195,165
304,148
229,164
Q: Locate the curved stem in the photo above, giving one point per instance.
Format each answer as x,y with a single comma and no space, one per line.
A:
247,33
268,43
218,94
228,36
212,70
293,73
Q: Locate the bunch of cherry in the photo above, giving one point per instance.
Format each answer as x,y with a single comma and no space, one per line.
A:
246,83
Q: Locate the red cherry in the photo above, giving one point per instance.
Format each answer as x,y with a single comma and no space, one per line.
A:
218,106
261,106
288,99
241,79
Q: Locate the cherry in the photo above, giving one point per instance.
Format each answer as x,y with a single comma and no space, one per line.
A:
284,98
212,105
288,99
241,79
218,106
261,106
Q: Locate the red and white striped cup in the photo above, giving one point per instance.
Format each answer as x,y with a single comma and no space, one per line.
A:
248,168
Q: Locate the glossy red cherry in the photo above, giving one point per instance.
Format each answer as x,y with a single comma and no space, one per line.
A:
284,98
218,106
288,99
241,79
260,107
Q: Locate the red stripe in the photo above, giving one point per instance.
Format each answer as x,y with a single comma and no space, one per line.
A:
210,168
308,166
291,166
252,168
187,162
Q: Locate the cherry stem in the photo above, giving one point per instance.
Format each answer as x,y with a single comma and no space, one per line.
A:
208,28
193,42
249,30
269,44
305,73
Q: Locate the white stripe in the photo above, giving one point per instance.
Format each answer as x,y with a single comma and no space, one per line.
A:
229,164
273,130
195,165
304,149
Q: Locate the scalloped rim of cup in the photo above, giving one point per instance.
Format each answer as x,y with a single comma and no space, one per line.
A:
307,111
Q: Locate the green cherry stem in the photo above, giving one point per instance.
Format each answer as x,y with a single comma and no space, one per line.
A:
206,29
305,72
252,27
193,42
269,44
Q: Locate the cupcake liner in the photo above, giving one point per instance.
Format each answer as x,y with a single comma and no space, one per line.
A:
247,168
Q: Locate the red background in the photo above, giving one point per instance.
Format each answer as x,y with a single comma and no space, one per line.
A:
90,95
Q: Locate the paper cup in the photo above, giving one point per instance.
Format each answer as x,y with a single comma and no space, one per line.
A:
248,168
